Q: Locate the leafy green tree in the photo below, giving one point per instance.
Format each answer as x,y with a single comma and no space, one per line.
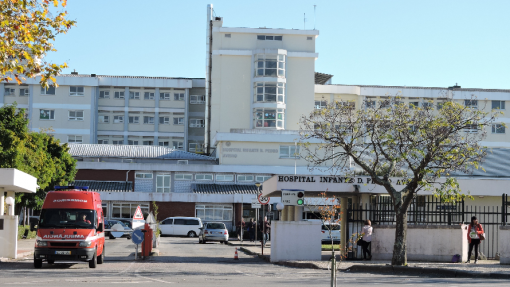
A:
27,29
36,153
424,145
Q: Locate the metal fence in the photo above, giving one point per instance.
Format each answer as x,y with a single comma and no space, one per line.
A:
428,210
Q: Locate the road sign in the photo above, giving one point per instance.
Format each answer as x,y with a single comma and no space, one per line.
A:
293,197
263,200
117,230
137,236
138,214
255,203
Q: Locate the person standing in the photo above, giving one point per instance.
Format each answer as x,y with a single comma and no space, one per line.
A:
367,239
240,228
250,227
266,231
475,233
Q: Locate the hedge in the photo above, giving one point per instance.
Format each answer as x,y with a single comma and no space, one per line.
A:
25,231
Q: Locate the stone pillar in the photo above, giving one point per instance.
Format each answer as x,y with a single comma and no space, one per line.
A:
126,115
343,224
284,214
290,213
298,213
11,207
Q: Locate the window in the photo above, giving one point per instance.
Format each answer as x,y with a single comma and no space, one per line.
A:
196,147
440,105
498,105
267,65
320,104
183,176
132,142
262,178
164,143
144,175
76,115
134,120
349,105
178,121
269,92
182,161
104,119
269,38
119,95
289,151
118,119
228,35
244,178
76,91
104,94
309,38
148,120
163,183
196,123
118,142
126,210
472,128
214,212
164,120
370,103
268,118
47,115
471,104
179,97
178,145
498,128
164,96
74,139
134,95
204,177
9,92
194,99
48,91
415,104
148,96
23,92
148,142
102,141
224,177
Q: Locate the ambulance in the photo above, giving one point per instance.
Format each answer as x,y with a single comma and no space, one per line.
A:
71,227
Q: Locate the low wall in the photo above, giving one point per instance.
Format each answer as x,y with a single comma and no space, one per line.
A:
295,240
431,243
9,236
504,245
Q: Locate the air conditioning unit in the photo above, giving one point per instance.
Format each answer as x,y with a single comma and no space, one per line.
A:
182,162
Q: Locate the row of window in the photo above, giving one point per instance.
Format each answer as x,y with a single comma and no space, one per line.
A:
323,104
12,92
73,90
269,92
194,99
193,123
205,177
495,128
425,103
268,118
74,115
269,65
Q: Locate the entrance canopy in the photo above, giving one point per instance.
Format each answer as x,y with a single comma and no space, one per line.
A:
15,180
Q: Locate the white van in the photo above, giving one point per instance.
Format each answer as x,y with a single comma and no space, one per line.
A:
187,226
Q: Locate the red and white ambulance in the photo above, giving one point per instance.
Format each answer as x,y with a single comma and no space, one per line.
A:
71,227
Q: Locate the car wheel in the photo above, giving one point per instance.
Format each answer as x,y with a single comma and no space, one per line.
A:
221,242
204,241
51,261
100,259
93,261
199,240
192,234
37,263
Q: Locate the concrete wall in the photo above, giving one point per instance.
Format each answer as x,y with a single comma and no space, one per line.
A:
169,209
295,240
432,243
9,236
504,245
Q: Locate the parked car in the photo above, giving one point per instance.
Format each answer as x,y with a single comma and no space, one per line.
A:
213,231
110,223
183,226
127,222
335,233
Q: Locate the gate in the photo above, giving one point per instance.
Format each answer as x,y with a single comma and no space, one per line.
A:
428,210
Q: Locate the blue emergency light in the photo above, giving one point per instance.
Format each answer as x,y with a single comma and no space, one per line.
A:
71,187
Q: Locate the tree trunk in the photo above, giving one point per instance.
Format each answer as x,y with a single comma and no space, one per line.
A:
400,246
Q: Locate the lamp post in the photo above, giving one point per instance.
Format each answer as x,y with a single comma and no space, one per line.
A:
258,184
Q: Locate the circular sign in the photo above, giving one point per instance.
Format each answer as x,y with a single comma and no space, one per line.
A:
117,230
263,200
137,237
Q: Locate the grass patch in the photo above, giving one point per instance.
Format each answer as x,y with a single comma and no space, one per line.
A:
328,247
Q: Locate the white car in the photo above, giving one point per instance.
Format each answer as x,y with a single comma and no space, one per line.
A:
184,226
213,231
335,233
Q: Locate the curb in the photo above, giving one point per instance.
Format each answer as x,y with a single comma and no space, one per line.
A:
440,272
281,263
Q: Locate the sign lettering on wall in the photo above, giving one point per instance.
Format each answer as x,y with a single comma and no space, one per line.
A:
334,179
232,152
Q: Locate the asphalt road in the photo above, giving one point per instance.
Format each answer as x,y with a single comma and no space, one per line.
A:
183,261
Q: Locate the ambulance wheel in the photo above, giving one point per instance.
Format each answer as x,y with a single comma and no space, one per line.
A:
93,261
100,259
37,263
51,261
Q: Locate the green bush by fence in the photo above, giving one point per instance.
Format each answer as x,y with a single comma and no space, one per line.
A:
25,230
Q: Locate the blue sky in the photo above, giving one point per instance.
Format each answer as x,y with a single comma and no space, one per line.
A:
413,43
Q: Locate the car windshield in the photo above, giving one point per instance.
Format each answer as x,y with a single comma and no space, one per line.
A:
216,226
331,226
113,222
67,218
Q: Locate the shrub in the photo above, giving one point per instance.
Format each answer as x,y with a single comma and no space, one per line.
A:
24,232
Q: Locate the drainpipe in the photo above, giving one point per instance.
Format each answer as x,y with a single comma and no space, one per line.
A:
207,139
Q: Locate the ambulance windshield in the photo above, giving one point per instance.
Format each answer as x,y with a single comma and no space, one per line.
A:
67,218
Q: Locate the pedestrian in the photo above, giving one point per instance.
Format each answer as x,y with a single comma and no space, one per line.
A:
251,229
366,239
240,228
475,234
266,231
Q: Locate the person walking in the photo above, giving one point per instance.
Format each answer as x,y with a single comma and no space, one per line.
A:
240,228
475,235
366,240
266,229
251,229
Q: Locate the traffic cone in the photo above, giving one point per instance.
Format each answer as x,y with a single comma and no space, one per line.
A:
235,256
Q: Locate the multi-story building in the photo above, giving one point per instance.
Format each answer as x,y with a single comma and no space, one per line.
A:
115,109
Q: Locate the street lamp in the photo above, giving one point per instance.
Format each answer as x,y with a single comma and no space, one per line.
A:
258,184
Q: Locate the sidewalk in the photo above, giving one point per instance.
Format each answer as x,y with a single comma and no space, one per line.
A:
25,249
484,268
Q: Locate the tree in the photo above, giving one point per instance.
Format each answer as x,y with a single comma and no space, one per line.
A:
422,144
36,153
26,29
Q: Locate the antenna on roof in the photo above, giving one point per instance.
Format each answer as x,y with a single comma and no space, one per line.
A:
314,16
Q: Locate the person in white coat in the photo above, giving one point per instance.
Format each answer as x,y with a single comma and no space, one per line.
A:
367,239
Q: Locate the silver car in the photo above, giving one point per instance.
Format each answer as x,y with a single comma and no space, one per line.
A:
213,231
